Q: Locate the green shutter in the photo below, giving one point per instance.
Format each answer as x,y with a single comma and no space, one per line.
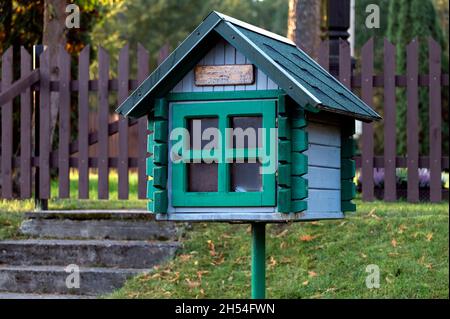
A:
157,163
284,175
284,128
299,160
284,158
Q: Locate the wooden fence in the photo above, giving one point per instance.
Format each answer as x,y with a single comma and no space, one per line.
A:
35,154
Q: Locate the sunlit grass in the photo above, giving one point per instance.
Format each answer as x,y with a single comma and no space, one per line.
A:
11,211
92,203
325,259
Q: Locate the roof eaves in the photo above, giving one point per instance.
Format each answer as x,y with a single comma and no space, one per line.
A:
230,33
375,115
358,116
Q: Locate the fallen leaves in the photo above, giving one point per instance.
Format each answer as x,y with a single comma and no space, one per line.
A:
307,237
184,257
373,215
282,234
175,278
401,229
218,260
192,283
429,236
312,274
394,243
272,262
200,274
211,247
422,262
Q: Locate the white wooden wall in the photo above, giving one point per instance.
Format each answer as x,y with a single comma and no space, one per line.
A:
224,53
324,162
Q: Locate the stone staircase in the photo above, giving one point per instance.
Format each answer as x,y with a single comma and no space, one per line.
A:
107,246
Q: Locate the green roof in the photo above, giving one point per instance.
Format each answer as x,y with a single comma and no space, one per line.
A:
289,67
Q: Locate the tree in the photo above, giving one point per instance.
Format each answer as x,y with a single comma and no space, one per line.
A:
160,22
304,22
409,19
54,37
22,24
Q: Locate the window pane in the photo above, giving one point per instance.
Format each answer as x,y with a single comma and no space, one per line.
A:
245,177
196,127
247,134
202,177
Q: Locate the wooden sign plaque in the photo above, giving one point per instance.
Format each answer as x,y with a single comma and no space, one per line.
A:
236,74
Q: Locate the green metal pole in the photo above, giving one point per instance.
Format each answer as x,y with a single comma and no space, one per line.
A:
258,260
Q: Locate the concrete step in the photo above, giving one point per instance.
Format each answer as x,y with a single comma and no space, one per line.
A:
98,224
86,253
12,295
52,280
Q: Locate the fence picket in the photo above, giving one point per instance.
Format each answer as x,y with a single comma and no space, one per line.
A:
103,118
106,126
64,123
44,125
25,128
435,128
367,128
123,74
83,123
7,127
412,120
390,183
142,59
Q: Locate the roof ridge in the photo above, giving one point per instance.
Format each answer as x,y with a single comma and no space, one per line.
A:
254,28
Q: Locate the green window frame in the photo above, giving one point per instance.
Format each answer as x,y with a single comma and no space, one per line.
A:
223,110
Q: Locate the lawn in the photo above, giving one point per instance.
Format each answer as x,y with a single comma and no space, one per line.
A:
327,259
11,211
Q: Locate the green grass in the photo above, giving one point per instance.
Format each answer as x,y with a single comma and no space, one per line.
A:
326,259
11,211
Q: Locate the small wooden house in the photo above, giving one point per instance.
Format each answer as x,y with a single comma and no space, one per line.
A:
228,74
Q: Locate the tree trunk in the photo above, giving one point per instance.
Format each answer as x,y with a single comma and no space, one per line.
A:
54,36
304,20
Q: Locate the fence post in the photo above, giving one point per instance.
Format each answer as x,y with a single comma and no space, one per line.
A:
25,128
39,203
122,165
435,120
7,128
390,182
103,120
143,67
367,153
64,77
412,119
83,123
